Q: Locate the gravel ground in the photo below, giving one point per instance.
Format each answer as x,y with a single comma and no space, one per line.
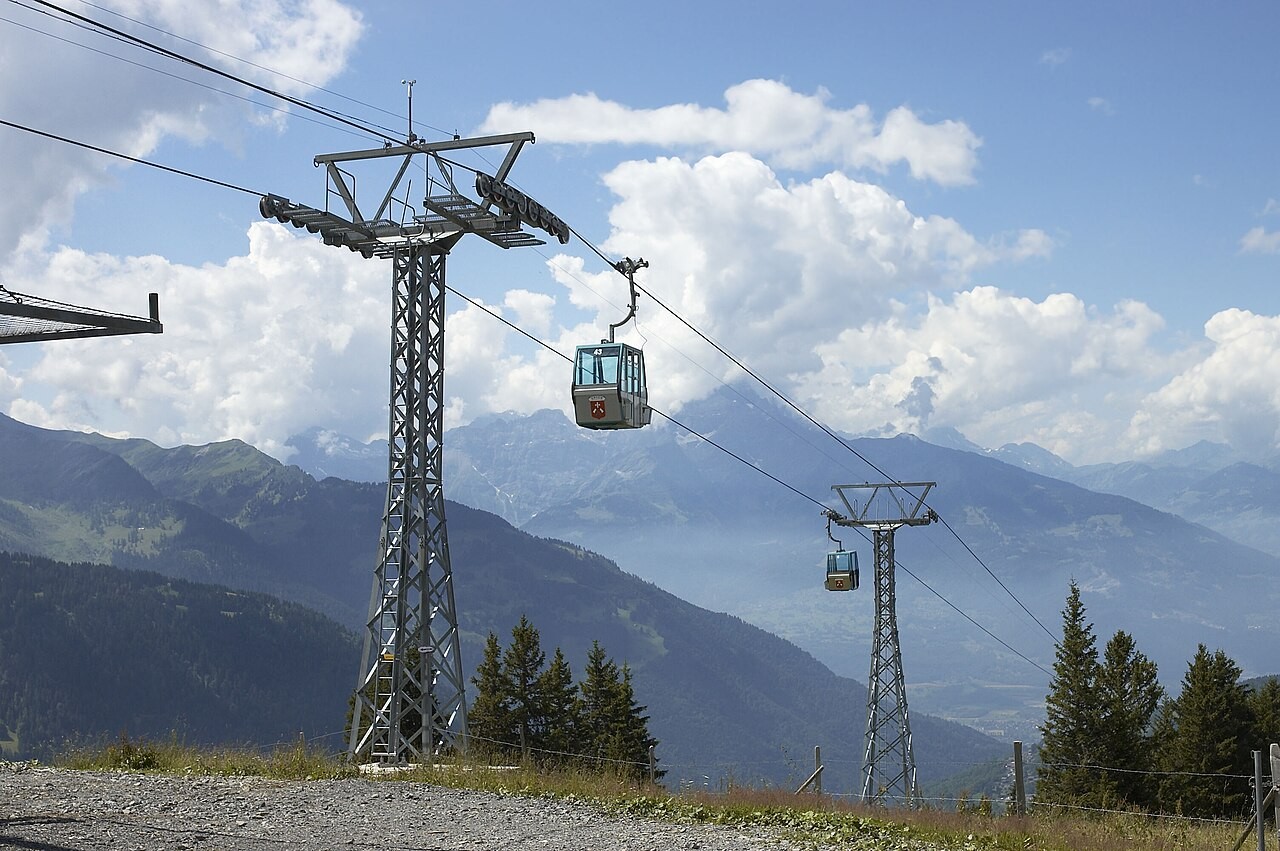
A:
57,809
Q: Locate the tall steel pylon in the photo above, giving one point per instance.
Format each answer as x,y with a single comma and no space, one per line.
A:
888,760
410,699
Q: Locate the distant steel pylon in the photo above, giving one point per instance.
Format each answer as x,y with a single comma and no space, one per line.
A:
410,700
888,761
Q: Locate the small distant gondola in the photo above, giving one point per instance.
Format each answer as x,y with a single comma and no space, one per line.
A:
842,571
609,383
842,566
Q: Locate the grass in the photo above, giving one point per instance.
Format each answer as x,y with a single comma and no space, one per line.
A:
815,820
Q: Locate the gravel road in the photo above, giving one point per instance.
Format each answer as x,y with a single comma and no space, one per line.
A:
52,809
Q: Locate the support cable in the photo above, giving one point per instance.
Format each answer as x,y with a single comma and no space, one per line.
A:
764,383
178,57
763,472
271,71
153,69
119,155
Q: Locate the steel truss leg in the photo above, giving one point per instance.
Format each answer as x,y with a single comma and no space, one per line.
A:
410,702
889,763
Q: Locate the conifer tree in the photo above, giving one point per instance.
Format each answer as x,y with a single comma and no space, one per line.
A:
1129,694
631,741
521,669
559,704
596,702
1264,705
613,725
489,718
1069,748
1204,738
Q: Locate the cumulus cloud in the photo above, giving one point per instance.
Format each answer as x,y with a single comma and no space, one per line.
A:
986,362
769,269
288,336
1229,394
765,118
52,79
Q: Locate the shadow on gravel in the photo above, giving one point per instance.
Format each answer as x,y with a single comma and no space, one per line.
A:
8,841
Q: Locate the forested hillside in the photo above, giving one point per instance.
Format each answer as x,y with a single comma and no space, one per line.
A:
725,698
90,650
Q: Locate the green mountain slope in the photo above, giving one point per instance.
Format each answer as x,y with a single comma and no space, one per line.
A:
725,698
90,650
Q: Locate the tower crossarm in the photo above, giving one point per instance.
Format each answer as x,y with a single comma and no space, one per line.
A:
884,506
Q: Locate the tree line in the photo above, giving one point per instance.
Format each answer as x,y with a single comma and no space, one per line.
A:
527,708
1113,738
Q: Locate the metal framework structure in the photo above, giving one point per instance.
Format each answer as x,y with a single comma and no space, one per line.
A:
888,761
410,701
32,319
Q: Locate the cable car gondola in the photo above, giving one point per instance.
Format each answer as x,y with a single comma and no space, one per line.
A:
842,566
609,387
842,571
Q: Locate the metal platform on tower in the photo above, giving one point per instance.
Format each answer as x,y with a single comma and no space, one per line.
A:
31,319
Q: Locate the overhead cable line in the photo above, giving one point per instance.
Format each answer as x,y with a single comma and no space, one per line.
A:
760,470
153,69
665,416
164,51
268,70
119,155
775,391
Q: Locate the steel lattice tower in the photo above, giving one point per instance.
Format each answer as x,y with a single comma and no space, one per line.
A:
888,760
410,701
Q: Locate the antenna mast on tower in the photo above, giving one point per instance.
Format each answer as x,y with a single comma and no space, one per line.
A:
410,698
888,762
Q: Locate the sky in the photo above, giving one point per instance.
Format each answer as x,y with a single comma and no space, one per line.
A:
1026,222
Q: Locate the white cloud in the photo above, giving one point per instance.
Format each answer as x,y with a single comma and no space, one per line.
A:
51,82
1102,105
767,268
1260,241
248,351
1055,56
1272,206
765,118
1229,394
998,367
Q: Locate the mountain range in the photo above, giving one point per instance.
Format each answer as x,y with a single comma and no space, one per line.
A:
979,596
726,698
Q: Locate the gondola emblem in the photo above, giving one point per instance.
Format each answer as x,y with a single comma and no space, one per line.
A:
597,408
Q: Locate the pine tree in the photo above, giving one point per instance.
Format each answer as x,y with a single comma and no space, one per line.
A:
596,698
490,716
1069,749
559,703
1204,738
1264,706
631,741
614,728
521,669
1129,694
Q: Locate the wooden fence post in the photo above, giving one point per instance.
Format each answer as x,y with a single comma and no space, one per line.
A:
814,779
1019,783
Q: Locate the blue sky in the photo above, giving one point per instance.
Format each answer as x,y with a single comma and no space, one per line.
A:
1029,223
